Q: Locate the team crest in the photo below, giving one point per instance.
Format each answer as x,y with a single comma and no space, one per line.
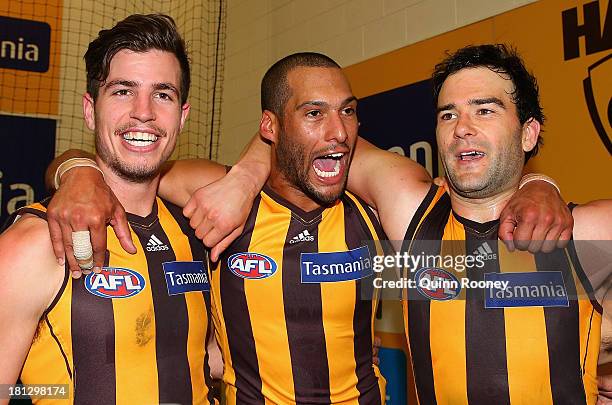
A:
437,284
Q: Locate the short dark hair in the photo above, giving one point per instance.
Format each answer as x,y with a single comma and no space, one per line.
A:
137,33
275,91
503,60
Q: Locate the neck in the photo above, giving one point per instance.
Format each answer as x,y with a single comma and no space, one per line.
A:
483,209
279,183
136,198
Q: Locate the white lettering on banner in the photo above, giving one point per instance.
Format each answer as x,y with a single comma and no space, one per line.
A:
18,201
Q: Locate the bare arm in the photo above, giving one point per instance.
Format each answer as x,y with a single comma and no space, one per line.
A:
85,202
218,211
29,280
392,184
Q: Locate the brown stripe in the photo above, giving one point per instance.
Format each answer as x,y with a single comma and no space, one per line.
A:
563,332
238,322
356,231
304,320
171,323
198,252
93,346
485,336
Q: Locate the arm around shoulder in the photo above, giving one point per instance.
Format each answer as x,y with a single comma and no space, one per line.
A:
392,184
29,280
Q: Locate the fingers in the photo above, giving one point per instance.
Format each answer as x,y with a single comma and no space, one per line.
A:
191,206
122,231
565,237
225,242
506,231
98,243
523,233
70,259
83,251
56,240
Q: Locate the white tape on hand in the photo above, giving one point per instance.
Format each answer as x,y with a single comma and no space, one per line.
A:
83,252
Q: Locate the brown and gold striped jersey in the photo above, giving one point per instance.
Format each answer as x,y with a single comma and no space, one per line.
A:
136,333
533,341
288,309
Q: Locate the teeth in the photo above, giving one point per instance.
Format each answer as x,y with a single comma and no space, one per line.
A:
470,153
333,173
333,156
140,136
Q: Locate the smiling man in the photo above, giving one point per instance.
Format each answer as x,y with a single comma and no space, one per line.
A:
129,334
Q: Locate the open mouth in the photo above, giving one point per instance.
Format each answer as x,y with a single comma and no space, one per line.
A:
328,166
140,139
470,155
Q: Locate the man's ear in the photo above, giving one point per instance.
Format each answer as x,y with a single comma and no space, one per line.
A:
184,114
530,134
269,126
89,113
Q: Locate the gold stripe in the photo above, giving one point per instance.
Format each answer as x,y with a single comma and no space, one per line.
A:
448,344
526,340
229,377
45,363
135,354
196,307
266,307
339,338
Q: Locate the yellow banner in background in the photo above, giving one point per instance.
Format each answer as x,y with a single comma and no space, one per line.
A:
567,45
30,42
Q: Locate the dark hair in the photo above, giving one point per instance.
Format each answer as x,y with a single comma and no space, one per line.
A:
138,33
275,89
503,60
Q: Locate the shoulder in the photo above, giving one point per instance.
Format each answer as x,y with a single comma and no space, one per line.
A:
29,271
593,220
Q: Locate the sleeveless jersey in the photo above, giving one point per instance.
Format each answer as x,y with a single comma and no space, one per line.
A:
288,307
534,341
136,333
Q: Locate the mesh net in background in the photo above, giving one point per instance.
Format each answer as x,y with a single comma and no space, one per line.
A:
202,25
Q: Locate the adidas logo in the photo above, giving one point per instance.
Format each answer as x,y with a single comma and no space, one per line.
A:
303,236
485,252
154,244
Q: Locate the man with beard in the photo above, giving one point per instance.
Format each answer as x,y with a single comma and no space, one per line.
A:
290,320
536,340
286,294
136,332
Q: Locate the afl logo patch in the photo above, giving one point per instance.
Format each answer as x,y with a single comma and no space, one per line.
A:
114,282
251,265
437,284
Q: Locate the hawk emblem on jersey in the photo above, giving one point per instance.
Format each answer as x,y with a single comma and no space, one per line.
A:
437,284
115,282
251,265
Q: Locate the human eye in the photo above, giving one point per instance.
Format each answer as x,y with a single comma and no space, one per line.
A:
314,113
121,92
446,116
164,96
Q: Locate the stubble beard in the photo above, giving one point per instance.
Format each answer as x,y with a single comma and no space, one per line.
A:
291,158
503,167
